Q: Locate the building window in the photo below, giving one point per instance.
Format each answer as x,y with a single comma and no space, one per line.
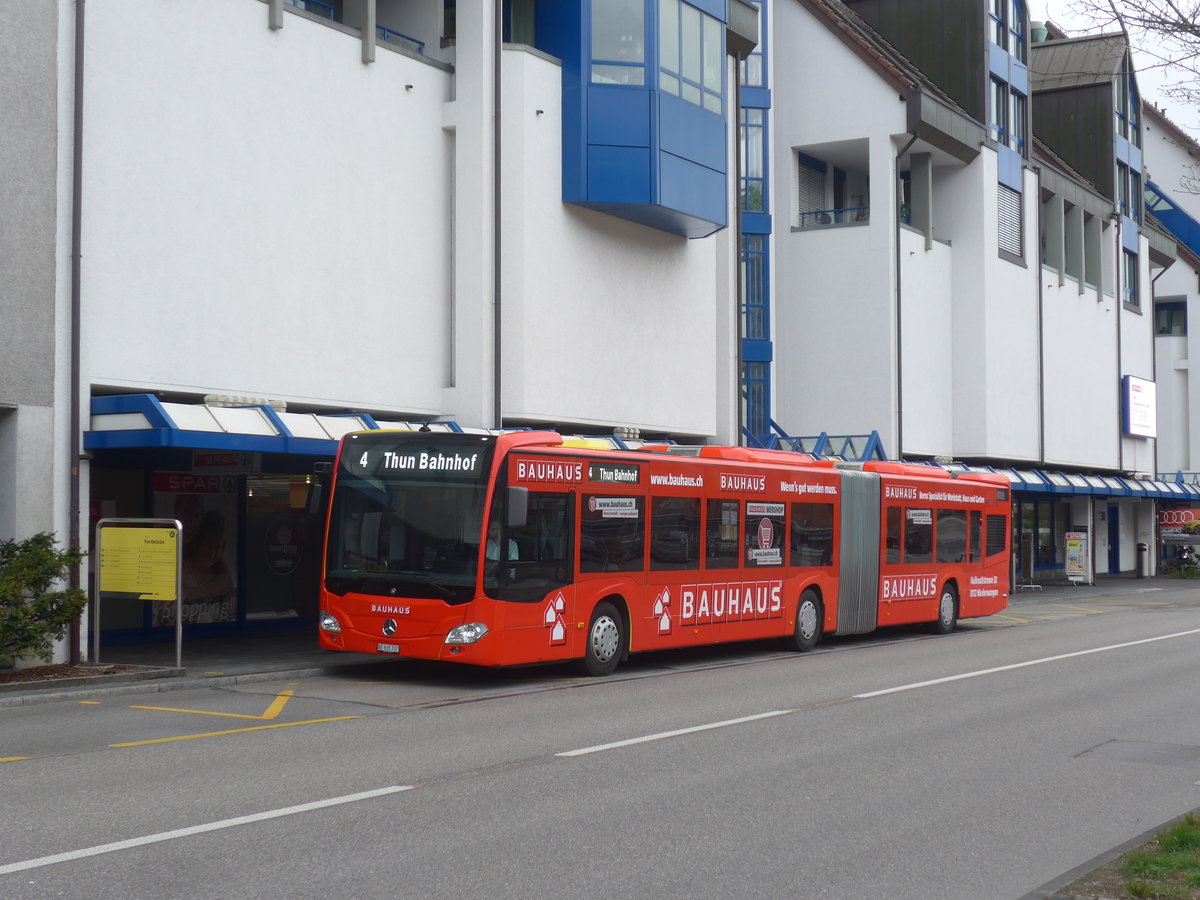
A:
1007,116
753,175
754,287
998,113
1016,119
1131,278
813,205
618,42
1126,104
1009,207
755,402
1170,318
1007,29
691,54
751,68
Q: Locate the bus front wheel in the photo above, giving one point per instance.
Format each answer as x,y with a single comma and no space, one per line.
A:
605,637
808,621
947,611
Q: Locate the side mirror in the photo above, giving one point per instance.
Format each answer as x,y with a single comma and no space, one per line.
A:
316,493
518,506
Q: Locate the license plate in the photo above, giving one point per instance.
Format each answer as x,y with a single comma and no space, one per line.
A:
388,648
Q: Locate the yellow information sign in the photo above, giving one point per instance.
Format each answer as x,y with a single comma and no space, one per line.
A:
140,561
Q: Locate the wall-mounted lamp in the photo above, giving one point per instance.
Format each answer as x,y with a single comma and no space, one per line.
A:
540,111
408,87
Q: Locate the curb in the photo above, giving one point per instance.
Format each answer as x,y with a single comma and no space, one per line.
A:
159,681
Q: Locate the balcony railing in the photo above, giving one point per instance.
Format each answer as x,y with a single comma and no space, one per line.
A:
390,36
848,216
325,10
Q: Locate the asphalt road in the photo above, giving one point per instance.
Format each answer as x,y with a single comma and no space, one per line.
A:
980,765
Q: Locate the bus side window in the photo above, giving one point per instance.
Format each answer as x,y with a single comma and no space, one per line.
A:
612,533
674,533
894,534
541,561
918,536
721,544
976,535
812,534
951,535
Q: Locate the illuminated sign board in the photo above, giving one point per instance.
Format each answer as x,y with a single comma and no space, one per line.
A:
1140,407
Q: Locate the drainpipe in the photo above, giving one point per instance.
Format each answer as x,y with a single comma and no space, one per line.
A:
739,298
497,359
1119,298
899,307
73,448
1041,326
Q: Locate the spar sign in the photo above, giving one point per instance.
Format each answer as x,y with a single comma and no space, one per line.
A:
1179,526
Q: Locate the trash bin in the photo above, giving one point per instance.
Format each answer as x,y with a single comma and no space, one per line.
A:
1141,560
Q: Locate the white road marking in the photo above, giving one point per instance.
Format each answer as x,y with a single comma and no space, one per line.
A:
196,829
663,735
1021,665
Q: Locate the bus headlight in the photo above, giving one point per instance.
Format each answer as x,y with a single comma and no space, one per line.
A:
466,634
329,623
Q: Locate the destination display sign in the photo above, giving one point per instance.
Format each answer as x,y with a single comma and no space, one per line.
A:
614,473
401,458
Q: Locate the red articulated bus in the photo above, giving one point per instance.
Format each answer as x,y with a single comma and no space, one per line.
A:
520,548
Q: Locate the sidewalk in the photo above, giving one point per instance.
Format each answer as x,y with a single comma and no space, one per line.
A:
206,663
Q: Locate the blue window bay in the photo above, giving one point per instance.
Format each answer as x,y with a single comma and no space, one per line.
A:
644,109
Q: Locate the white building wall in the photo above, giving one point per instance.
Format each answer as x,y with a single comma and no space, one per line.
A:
995,342
1082,408
276,225
834,288
605,322
927,336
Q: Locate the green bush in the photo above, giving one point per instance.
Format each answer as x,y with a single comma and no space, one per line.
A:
31,614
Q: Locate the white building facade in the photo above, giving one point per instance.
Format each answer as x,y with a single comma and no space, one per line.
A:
234,230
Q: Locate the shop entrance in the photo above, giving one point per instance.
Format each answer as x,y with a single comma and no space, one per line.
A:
282,549
251,551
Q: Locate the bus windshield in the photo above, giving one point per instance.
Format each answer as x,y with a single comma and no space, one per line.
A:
407,515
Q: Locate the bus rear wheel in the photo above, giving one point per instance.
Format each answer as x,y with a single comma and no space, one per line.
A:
808,621
605,638
947,611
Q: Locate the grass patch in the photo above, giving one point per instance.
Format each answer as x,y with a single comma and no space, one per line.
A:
1166,867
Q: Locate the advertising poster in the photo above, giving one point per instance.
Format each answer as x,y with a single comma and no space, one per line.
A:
1077,553
206,506
1179,526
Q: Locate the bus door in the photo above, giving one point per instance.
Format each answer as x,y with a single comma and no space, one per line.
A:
859,551
528,569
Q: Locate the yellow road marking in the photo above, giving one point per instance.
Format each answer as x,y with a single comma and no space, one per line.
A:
90,702
1011,618
1097,612
12,758
192,737
273,710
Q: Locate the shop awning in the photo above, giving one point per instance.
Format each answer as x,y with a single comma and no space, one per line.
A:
142,420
